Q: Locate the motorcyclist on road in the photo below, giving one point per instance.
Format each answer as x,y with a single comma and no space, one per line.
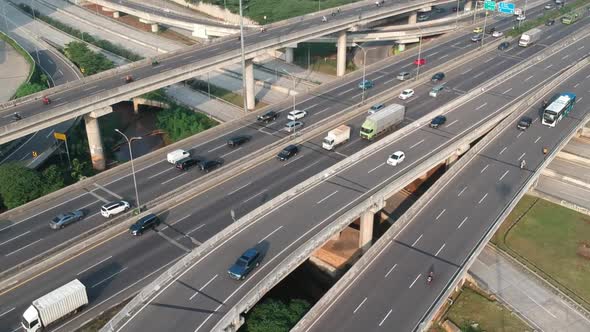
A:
430,276
522,164
324,19
17,116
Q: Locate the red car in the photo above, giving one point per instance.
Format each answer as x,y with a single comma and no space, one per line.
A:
46,100
420,62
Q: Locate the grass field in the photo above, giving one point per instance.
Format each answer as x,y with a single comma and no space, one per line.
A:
472,308
547,238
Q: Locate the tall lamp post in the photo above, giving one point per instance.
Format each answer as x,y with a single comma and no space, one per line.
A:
244,88
364,72
419,52
457,17
132,167
294,84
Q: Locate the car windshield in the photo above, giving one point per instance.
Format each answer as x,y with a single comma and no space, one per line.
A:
366,130
56,219
394,156
242,261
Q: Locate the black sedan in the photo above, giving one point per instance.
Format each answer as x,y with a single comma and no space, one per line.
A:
209,165
503,46
439,120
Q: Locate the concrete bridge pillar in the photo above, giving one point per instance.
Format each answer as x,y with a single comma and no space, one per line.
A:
155,27
94,138
289,54
341,54
413,18
468,5
366,231
249,77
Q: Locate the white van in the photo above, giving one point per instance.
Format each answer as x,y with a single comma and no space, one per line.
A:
177,155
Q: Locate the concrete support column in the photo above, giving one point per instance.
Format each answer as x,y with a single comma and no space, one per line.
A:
366,232
155,27
95,142
341,54
289,54
467,6
336,236
116,14
249,77
136,103
413,18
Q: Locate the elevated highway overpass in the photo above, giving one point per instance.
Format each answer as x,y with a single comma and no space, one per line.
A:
112,269
195,298
92,96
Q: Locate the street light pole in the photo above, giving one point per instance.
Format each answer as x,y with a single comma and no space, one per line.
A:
294,84
132,167
244,88
364,72
457,17
419,53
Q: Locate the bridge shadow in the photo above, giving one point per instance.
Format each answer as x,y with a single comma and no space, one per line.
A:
197,292
171,306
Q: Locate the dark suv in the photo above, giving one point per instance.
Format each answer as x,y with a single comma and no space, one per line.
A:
245,264
149,221
209,165
186,163
288,152
437,77
268,117
237,140
439,120
524,123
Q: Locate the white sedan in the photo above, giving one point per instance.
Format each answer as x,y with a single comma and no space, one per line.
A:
396,158
497,34
296,115
407,93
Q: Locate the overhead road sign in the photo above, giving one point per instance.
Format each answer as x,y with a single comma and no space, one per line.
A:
506,8
489,5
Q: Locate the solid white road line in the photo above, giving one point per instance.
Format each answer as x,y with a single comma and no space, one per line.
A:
392,268
108,278
417,277
355,310
270,234
91,266
325,198
503,175
418,239
461,224
452,123
384,318
439,250
416,144
50,133
440,214
28,245
252,197
238,189
7,311
14,238
203,287
374,168
484,197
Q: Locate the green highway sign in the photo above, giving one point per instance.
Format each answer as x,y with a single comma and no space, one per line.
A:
489,5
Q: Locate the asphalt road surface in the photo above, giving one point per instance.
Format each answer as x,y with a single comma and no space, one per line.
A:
203,293
120,261
392,292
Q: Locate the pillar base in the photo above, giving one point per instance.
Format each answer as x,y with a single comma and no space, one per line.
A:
249,77
155,28
95,142
341,54
289,55
413,18
116,15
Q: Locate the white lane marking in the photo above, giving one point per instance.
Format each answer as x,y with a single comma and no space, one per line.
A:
480,106
173,223
357,95
292,160
238,189
173,241
186,57
355,310
484,169
465,72
461,224
505,92
90,88
325,198
528,78
439,250
202,287
417,277
19,249
378,77
579,99
441,213
551,65
478,75
308,166
108,191
391,269
174,178
195,229
270,234
322,111
7,311
481,199
109,277
50,133
444,56
374,168
452,123
538,138
312,106
345,91
488,60
252,197
566,56
389,313
504,149
517,136
227,154
462,190
164,171
418,239
217,148
576,85
14,238
522,156
416,144
503,175
580,48
432,54
104,200
389,81
91,266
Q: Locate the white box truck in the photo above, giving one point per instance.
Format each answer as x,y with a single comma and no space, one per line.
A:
177,155
530,37
55,305
382,121
335,137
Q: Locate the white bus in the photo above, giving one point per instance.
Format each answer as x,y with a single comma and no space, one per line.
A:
559,107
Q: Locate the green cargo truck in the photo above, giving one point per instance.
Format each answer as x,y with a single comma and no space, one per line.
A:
382,121
570,18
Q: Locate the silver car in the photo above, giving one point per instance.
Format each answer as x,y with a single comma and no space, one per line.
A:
65,219
291,126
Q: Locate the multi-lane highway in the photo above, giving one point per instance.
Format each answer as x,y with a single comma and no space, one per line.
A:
392,292
201,295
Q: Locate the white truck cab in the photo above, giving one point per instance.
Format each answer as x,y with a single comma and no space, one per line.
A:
177,155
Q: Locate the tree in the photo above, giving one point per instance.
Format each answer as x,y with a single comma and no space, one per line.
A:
275,316
28,89
179,122
19,185
80,169
54,179
88,61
